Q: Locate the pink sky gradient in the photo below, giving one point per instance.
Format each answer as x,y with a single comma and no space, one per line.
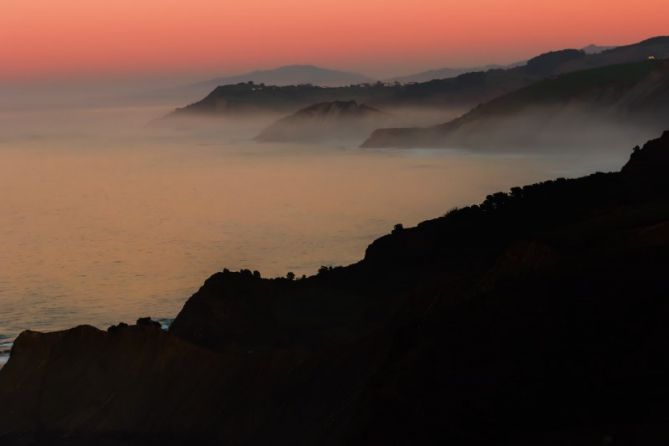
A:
79,38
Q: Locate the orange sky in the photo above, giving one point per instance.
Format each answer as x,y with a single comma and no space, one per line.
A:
64,38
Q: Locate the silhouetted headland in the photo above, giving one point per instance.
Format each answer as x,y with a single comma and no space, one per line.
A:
538,317
326,121
463,91
596,107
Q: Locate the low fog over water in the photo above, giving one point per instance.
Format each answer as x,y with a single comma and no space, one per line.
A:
107,215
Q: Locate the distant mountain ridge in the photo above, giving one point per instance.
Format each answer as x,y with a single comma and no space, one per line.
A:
293,75
634,95
465,91
280,76
450,72
444,73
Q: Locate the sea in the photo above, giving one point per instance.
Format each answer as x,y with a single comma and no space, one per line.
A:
108,215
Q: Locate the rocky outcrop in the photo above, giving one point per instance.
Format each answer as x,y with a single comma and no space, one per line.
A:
652,161
539,317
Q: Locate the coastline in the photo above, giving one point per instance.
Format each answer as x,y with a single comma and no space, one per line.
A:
537,317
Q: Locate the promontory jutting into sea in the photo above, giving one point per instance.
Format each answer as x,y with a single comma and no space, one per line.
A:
334,223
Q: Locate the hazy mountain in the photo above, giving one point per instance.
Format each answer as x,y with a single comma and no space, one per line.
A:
447,73
596,49
281,76
537,317
463,91
459,92
657,47
292,75
626,100
441,73
336,120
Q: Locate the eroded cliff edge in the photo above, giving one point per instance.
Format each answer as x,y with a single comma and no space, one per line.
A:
537,317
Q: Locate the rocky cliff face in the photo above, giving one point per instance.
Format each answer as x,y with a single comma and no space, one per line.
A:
539,317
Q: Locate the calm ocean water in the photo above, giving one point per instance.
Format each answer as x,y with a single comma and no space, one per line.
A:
106,224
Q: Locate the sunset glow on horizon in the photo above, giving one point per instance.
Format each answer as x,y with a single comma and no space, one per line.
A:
70,38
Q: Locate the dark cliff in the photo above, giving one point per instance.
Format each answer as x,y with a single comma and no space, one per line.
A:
539,317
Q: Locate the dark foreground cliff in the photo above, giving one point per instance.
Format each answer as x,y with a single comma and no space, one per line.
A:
540,317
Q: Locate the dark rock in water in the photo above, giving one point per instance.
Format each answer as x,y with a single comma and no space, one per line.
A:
338,120
539,317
